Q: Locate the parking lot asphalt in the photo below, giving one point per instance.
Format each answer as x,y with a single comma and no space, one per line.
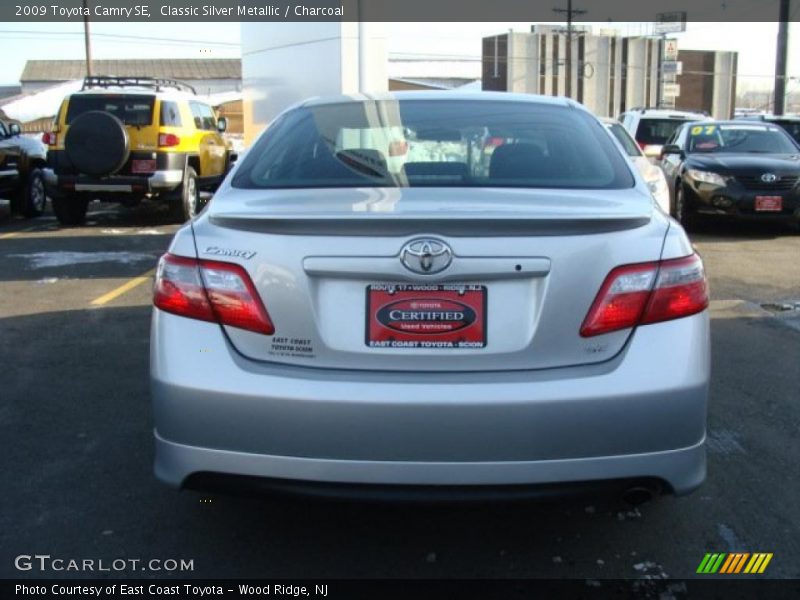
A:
76,422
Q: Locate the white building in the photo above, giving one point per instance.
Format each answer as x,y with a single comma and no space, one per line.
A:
610,73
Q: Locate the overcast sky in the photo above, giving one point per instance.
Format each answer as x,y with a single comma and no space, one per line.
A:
19,42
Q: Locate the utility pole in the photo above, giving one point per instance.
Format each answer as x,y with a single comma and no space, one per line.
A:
570,32
86,39
780,58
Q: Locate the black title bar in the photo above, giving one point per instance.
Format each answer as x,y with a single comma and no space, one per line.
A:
381,10
390,589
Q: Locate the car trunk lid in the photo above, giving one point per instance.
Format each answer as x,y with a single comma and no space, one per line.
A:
524,270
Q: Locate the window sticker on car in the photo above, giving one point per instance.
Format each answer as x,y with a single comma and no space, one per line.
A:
703,129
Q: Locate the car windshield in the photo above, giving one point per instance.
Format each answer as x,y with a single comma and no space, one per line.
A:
624,138
657,131
739,139
128,108
791,127
425,143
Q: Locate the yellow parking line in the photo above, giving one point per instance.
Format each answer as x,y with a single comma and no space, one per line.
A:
14,234
125,287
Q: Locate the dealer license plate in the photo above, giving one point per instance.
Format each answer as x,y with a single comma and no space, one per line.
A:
426,316
143,166
769,204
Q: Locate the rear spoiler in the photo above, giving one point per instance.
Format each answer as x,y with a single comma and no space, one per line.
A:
403,225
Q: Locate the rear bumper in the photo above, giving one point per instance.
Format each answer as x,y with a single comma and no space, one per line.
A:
640,415
154,182
682,470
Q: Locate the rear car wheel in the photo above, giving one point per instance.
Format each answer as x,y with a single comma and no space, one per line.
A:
187,205
35,199
70,210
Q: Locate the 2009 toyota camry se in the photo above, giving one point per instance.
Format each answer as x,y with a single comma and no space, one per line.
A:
432,292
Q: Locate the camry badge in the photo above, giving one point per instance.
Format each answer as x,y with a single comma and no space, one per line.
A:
216,250
426,256
769,178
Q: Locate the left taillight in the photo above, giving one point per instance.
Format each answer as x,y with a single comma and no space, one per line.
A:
212,291
49,138
646,293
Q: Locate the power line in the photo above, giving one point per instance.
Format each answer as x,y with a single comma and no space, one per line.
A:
115,36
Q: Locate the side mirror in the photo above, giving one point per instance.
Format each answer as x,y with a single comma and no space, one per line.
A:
14,129
670,149
222,124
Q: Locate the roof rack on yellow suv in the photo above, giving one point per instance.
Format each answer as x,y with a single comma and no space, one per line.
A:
108,81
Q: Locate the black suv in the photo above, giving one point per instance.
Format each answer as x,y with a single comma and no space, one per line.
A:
21,161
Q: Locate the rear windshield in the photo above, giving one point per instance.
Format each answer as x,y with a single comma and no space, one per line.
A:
130,109
657,131
624,138
424,143
758,139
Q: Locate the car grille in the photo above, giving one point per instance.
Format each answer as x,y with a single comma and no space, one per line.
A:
753,182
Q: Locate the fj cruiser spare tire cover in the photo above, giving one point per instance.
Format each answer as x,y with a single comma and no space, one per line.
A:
97,143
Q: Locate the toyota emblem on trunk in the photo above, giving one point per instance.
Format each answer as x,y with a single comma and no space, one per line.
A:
426,256
769,178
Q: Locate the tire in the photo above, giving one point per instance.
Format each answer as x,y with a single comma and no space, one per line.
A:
97,143
187,204
680,211
70,210
34,200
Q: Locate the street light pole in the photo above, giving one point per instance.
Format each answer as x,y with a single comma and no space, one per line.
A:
568,56
86,38
781,56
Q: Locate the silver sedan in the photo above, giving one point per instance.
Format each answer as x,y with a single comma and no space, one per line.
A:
432,292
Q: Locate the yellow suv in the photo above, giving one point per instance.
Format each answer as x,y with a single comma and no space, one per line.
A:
122,139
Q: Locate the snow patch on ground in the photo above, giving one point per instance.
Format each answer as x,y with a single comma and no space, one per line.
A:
724,441
731,539
634,513
115,231
44,260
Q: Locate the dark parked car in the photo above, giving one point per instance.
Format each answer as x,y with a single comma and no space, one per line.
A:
21,160
738,168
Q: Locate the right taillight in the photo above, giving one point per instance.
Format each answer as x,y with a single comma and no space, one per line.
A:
168,140
210,291
647,293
